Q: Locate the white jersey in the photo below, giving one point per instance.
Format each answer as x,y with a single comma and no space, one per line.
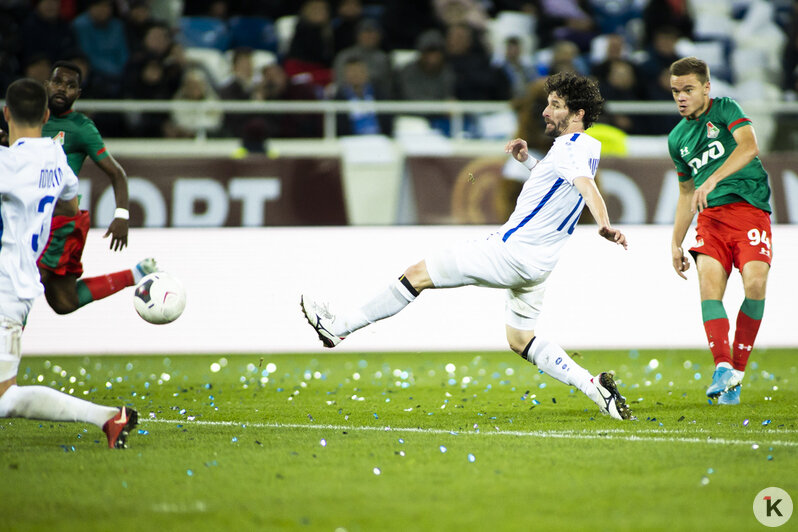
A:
34,174
549,204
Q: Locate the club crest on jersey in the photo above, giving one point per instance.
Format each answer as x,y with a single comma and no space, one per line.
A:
59,138
712,131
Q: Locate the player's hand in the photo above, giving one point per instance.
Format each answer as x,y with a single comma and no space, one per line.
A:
700,202
613,235
680,262
3,138
518,148
118,233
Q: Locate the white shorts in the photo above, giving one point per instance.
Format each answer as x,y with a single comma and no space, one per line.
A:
493,263
13,313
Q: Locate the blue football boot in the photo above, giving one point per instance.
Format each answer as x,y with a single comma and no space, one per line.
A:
720,381
730,397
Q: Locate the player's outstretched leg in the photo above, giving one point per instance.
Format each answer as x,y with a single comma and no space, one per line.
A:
94,288
601,389
118,428
333,328
322,320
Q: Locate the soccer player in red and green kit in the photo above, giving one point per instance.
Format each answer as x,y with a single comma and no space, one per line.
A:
721,177
60,264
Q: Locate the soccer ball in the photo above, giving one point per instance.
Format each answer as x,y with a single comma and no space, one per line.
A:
159,298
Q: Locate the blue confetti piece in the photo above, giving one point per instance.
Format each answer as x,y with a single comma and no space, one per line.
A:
376,416
442,448
770,457
234,439
189,472
766,422
401,440
142,431
471,458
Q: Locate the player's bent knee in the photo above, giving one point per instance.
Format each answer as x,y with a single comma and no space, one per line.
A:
418,276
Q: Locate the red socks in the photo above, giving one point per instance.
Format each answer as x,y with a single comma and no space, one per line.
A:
94,288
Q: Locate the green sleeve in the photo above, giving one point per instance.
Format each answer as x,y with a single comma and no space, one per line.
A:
733,115
92,142
682,170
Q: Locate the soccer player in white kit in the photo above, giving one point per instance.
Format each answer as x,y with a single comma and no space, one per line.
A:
521,255
34,176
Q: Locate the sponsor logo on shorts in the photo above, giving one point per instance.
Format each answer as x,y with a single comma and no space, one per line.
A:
699,242
764,251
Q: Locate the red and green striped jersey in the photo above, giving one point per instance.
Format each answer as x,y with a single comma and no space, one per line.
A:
79,137
699,146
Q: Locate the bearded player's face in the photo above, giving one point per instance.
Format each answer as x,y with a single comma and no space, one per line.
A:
556,115
63,88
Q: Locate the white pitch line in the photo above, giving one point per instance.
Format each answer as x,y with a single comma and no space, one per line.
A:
611,434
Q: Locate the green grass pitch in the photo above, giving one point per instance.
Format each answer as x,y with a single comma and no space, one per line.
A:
401,441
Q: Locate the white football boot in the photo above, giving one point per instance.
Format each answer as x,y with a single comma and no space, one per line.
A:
321,319
605,394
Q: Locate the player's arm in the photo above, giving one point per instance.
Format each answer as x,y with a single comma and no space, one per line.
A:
587,187
520,152
747,148
119,225
681,223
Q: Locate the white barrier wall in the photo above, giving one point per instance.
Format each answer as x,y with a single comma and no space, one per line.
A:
244,287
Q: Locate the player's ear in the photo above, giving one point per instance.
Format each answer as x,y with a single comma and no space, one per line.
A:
46,115
6,114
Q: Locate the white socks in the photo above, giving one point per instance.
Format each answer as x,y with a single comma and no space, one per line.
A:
41,402
387,303
554,361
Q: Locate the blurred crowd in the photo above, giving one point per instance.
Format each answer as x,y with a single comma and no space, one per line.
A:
370,50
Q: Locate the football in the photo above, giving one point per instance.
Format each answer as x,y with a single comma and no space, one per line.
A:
159,298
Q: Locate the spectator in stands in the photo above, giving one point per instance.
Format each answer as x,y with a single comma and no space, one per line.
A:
569,20
405,21
565,57
430,77
190,122
159,46
367,47
101,36
518,69
619,83
238,87
672,13
454,12
240,84
150,82
276,86
475,77
356,87
312,50
138,20
44,33
38,67
661,53
349,14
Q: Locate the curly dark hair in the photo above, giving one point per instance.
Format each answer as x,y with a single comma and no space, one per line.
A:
579,92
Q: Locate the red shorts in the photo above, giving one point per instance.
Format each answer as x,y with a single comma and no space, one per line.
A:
65,246
734,234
